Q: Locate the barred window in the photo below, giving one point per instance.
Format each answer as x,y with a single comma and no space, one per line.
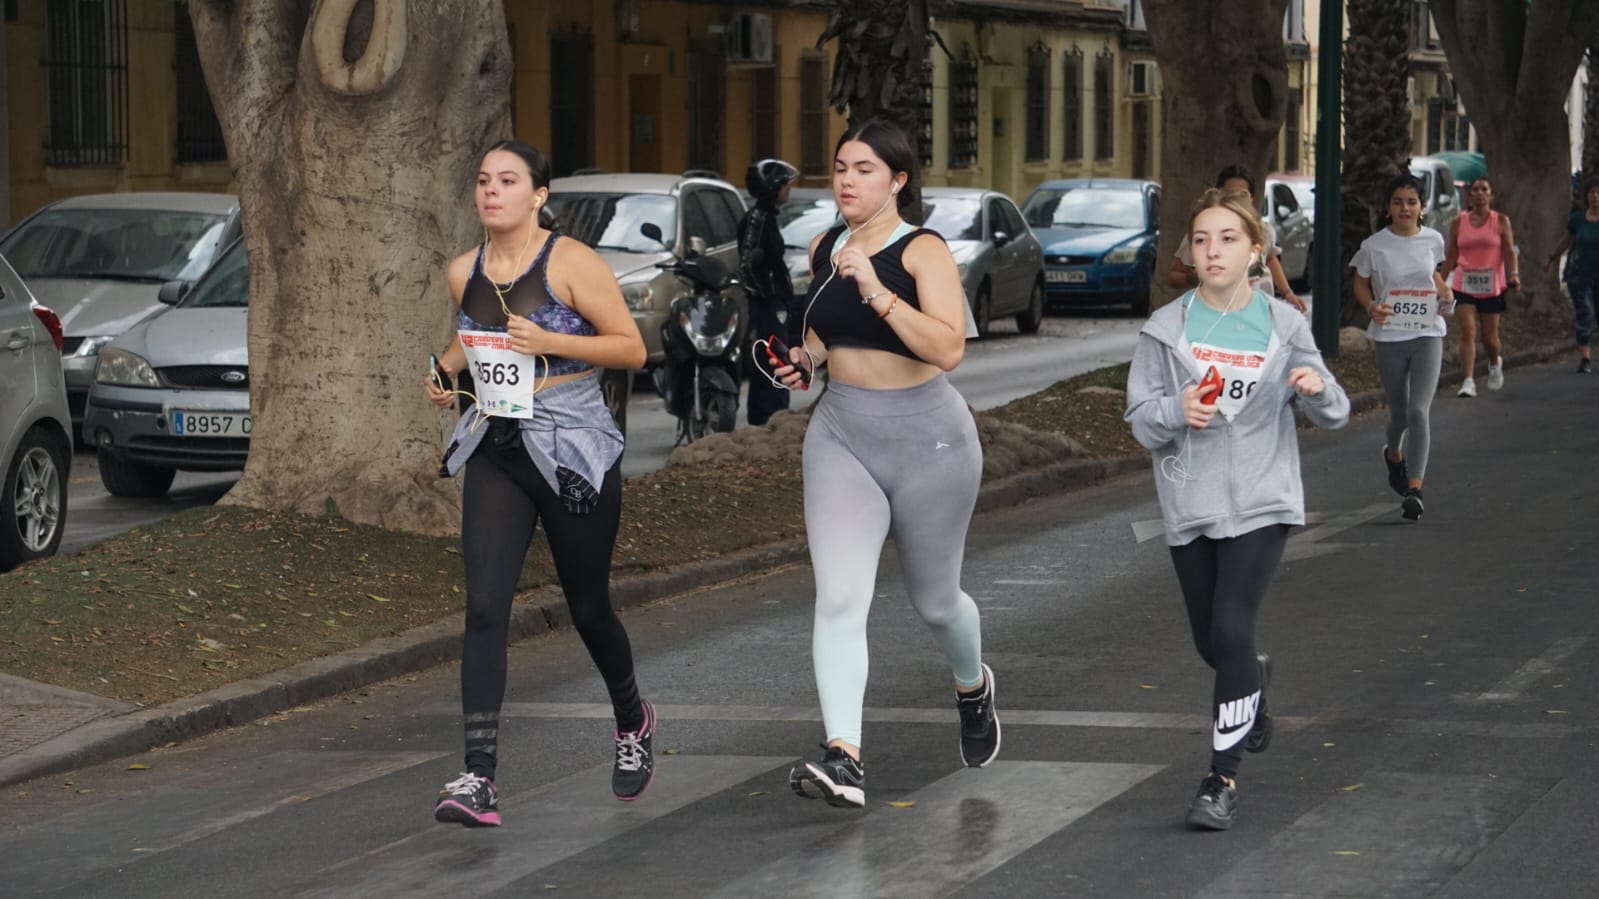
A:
1072,89
86,73
963,111
199,132
1291,131
1038,103
813,115
924,83
1104,112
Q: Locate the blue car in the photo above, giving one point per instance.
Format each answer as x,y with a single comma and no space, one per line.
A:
1099,237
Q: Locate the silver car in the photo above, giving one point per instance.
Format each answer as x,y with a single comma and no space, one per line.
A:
694,212
173,393
1295,229
99,260
1000,260
35,440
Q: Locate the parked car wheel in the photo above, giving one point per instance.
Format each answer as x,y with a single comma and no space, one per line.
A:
981,307
124,477
1028,320
616,386
33,505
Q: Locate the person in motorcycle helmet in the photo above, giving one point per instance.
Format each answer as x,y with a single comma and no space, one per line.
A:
765,275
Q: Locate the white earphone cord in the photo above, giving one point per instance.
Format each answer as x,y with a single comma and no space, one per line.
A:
817,292
1174,467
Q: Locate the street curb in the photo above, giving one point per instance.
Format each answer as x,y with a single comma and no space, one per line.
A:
537,612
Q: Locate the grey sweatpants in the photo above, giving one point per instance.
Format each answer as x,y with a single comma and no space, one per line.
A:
1409,371
877,462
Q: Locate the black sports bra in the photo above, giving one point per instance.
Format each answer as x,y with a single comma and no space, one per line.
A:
835,311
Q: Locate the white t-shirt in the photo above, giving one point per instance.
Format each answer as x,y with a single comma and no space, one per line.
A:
1259,275
1401,267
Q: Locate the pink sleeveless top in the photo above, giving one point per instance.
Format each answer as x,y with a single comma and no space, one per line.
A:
1481,272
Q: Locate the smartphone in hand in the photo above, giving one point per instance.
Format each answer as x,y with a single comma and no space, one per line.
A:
777,353
440,376
1210,387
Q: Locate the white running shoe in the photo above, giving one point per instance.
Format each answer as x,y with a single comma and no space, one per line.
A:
1468,387
1496,376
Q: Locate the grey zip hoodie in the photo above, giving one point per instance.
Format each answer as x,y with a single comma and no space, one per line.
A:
1244,474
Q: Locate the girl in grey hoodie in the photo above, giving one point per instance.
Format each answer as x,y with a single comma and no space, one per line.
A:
1209,394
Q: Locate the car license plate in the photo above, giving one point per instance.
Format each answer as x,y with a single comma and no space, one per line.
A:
1072,277
210,424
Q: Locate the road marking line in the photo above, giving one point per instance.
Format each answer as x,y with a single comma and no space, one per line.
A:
1519,680
551,823
961,827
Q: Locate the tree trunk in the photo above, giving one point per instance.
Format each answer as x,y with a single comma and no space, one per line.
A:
1224,73
1590,118
354,129
1376,127
1514,64
881,45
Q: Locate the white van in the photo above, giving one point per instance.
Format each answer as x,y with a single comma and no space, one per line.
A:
1438,204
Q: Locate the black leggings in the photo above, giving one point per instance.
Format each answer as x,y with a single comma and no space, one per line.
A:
505,497
1223,582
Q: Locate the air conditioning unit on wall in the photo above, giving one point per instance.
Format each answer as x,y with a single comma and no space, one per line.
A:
1141,79
749,40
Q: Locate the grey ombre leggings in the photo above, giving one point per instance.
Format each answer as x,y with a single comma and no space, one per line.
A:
1409,371
878,462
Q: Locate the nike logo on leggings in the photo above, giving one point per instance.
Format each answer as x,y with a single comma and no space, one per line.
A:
1233,721
939,444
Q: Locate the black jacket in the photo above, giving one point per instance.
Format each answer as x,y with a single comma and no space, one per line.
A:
760,258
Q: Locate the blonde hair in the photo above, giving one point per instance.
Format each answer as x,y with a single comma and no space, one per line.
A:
1236,202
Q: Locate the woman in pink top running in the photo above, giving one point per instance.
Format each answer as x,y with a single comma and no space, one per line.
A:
1480,266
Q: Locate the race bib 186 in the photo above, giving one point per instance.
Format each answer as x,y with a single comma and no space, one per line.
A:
503,378
1239,370
1411,309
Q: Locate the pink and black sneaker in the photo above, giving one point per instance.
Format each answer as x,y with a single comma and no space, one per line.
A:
469,800
635,759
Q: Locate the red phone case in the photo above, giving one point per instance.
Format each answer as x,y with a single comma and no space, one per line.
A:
777,352
1210,387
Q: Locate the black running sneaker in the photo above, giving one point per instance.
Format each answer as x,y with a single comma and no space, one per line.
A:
979,724
1260,734
1398,474
1412,508
1215,806
470,800
1584,367
635,758
837,778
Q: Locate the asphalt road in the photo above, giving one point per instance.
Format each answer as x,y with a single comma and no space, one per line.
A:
1436,687
1005,366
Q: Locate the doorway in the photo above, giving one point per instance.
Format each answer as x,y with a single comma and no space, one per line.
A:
644,123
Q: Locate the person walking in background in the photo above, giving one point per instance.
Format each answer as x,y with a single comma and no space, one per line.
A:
765,277
538,445
1398,284
892,448
1266,274
1582,269
1481,265
1228,490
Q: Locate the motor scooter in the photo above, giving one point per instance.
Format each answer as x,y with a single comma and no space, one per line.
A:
703,342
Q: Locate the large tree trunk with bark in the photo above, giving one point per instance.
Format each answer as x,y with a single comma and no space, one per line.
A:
1514,63
1376,127
354,128
1590,118
1224,74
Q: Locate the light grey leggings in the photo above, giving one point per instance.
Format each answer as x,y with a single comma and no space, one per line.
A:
878,462
1409,371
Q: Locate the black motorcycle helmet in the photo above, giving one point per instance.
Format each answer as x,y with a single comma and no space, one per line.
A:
765,178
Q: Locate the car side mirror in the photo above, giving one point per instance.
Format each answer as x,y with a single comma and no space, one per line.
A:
696,247
1283,212
652,231
1001,238
173,291
1446,201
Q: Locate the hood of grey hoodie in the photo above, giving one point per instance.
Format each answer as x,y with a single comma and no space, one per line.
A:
1231,477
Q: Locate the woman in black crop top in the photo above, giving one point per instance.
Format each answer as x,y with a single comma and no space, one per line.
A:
547,452
891,449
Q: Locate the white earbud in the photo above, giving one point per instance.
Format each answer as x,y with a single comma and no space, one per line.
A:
893,189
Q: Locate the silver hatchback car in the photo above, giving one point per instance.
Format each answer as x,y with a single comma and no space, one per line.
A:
35,441
173,394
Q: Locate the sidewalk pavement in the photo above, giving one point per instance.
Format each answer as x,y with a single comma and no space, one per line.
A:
48,730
